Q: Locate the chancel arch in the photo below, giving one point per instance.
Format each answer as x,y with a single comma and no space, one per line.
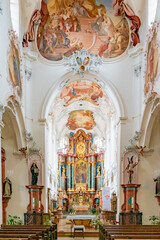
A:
90,106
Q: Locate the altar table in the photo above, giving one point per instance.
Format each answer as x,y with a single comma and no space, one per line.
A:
81,219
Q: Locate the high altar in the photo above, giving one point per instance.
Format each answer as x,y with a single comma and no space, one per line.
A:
80,174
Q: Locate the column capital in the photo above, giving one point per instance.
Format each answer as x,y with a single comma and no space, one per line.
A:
122,120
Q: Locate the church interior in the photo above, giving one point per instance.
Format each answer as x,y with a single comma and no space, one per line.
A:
80,119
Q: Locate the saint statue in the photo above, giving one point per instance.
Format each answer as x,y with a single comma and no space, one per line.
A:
80,192
7,187
35,172
157,180
130,167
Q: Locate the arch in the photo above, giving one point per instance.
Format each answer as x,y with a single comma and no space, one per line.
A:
151,111
107,85
14,111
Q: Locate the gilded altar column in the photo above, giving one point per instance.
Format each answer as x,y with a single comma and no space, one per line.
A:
72,177
89,177
69,178
93,179
102,173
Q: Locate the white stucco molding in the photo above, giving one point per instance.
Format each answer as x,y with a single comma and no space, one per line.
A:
30,55
136,51
106,84
2,110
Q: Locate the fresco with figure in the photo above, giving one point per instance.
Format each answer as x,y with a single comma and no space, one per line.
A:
81,172
152,63
81,90
14,67
67,26
81,119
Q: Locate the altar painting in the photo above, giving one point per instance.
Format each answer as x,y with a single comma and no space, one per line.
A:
81,90
68,26
14,67
81,172
81,119
152,64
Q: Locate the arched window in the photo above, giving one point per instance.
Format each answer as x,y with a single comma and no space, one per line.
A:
152,7
14,9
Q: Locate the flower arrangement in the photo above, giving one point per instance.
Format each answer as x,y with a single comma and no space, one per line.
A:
95,223
154,220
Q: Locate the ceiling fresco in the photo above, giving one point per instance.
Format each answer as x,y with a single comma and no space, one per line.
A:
81,119
81,90
68,26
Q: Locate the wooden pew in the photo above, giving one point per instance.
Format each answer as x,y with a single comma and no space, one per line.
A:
107,230
41,231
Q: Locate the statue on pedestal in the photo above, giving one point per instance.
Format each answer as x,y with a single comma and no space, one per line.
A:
157,190
130,167
35,172
7,187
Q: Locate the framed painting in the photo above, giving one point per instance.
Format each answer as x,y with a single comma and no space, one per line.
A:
15,64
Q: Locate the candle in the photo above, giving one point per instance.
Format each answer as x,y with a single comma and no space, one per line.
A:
132,202
39,204
33,200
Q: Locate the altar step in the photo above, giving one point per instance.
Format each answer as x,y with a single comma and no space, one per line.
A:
77,213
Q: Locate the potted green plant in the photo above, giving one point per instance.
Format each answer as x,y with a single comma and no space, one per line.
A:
14,220
71,211
95,223
93,210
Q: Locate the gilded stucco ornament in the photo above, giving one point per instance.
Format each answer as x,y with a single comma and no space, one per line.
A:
82,61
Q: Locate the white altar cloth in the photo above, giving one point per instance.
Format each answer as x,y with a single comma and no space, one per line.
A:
81,217
77,227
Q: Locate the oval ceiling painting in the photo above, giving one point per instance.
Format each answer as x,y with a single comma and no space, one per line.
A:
67,26
81,90
81,119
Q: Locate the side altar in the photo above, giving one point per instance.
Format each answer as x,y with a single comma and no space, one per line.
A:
80,174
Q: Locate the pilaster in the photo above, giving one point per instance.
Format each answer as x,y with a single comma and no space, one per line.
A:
2,110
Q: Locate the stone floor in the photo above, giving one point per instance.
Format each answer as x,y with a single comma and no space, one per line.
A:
64,230
65,225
